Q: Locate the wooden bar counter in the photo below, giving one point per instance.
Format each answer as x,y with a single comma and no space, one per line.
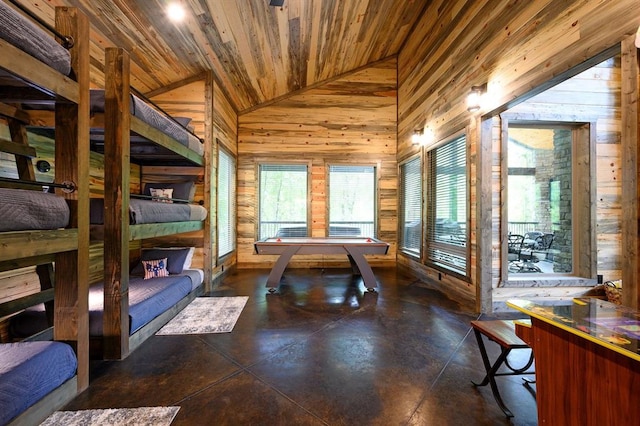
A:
587,362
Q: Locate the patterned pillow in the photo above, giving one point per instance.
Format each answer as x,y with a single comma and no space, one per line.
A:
155,268
162,195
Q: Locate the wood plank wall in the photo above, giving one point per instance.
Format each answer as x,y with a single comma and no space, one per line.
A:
518,48
348,120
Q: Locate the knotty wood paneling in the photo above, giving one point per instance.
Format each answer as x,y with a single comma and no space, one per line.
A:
347,120
518,48
258,53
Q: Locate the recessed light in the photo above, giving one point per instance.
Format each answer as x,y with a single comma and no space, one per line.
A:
175,12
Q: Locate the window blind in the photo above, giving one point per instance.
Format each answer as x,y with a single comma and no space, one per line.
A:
447,206
411,207
283,200
352,201
226,203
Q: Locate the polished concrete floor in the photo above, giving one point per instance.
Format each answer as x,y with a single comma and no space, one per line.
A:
320,354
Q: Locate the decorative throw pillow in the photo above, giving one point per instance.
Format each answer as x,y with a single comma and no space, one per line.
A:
155,268
163,195
176,259
181,190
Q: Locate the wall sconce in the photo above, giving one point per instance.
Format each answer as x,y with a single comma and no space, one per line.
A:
474,99
418,137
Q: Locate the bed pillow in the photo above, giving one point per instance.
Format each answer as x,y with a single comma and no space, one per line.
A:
181,190
162,195
184,121
176,258
155,268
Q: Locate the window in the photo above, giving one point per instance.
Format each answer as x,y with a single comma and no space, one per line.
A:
352,201
542,197
447,206
411,207
283,200
226,203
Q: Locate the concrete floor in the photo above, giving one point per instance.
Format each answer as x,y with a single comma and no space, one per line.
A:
320,354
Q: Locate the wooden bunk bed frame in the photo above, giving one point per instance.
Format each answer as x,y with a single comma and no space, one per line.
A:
68,248
117,231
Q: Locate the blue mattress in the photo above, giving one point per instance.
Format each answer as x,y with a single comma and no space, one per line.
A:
147,300
29,371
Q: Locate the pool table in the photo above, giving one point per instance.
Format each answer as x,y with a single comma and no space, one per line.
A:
354,247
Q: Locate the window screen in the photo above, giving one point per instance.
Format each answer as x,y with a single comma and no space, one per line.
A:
283,200
352,201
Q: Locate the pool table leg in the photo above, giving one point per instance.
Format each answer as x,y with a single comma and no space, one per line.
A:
281,264
356,256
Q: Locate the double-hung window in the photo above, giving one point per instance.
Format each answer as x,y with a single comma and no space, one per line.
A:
410,235
447,206
226,203
352,201
283,200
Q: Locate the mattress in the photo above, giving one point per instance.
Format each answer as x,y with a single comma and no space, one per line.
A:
29,371
152,117
148,211
28,37
23,210
147,300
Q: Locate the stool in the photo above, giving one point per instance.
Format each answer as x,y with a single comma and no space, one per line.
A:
503,333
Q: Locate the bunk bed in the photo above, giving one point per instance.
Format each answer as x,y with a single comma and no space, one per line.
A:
127,138
150,138
39,377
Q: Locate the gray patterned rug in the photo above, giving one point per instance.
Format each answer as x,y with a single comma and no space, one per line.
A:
206,315
143,416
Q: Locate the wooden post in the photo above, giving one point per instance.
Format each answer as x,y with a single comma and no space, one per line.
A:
71,319
210,246
630,90
116,202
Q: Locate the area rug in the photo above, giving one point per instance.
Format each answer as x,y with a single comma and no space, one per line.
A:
206,315
143,416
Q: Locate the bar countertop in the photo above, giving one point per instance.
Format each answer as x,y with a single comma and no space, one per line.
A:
606,324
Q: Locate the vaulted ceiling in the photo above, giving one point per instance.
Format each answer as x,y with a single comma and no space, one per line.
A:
258,52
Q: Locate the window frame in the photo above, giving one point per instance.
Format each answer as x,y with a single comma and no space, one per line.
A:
376,194
430,214
583,210
271,162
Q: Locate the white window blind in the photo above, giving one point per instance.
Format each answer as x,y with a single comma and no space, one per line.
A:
283,200
226,203
411,207
352,201
447,206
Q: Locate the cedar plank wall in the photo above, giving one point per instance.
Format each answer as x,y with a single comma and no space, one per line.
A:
351,119
515,46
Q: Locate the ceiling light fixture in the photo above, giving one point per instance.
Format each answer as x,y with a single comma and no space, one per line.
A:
474,98
277,3
175,12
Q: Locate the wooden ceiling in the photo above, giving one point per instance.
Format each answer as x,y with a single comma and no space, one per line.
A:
258,53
